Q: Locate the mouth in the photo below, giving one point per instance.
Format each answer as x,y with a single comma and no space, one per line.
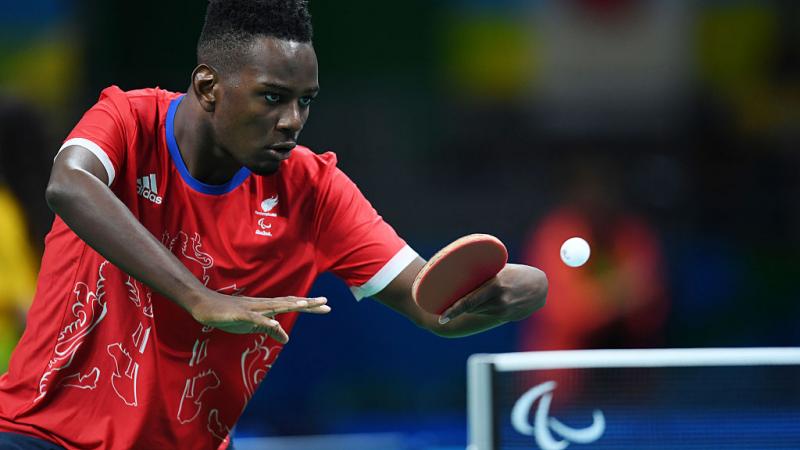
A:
283,146
281,151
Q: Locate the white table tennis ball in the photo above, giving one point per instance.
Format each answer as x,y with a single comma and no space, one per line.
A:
575,252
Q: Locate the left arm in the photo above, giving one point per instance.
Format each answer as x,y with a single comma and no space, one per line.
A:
514,294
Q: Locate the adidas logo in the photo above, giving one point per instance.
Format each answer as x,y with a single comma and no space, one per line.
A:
146,187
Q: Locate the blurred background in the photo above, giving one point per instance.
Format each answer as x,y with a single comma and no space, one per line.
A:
665,132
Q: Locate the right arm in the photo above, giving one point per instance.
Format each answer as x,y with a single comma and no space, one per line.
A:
78,192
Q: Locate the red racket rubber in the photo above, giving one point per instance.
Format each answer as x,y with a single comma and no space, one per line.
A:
458,269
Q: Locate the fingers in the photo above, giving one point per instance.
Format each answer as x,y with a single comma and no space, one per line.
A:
312,304
469,302
280,305
272,327
323,309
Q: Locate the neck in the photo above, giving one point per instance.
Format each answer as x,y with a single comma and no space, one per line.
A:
204,159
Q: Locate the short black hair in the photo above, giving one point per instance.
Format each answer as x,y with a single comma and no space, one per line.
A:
231,25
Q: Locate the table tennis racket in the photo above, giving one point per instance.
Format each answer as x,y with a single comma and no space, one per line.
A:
458,269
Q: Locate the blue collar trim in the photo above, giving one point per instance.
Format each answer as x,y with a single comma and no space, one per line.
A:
177,159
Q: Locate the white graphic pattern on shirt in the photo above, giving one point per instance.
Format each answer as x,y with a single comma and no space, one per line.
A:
88,381
218,429
199,352
256,362
188,248
197,256
135,295
89,309
126,354
193,391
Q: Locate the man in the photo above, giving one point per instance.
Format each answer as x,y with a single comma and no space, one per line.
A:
189,226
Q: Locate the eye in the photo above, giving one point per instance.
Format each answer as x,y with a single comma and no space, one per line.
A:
272,98
305,101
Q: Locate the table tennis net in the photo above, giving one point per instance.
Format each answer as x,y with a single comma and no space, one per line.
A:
724,402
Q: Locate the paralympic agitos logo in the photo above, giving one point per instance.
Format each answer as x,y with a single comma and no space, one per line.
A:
549,432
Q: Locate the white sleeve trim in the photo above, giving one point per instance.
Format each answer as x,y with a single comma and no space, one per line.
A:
96,150
389,272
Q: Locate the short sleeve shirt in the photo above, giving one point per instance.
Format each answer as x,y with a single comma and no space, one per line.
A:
107,363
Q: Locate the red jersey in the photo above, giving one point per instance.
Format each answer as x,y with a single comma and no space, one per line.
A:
107,363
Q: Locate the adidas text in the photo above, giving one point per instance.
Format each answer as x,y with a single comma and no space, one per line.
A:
146,187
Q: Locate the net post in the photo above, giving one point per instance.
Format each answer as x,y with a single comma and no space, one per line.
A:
480,402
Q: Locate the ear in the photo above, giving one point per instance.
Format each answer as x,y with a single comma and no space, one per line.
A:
204,84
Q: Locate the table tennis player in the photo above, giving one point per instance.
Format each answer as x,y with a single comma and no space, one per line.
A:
190,227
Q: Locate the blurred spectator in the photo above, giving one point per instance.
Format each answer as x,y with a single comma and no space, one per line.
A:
26,155
618,298
17,274
24,217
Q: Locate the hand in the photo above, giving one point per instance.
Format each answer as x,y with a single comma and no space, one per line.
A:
242,315
514,294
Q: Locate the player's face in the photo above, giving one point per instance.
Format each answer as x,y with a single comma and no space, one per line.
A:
262,108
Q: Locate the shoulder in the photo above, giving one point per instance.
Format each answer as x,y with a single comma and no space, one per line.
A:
142,104
307,167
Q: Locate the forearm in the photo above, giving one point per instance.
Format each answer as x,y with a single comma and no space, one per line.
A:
98,217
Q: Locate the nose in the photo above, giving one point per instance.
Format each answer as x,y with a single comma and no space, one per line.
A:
291,120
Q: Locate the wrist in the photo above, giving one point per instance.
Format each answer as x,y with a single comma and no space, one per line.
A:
192,298
524,291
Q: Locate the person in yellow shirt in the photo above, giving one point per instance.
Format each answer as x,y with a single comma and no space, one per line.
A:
18,269
25,155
